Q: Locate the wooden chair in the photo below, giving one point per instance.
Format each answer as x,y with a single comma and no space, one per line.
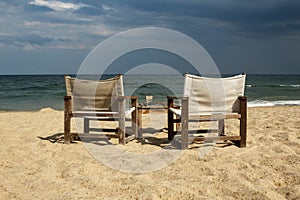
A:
209,99
101,100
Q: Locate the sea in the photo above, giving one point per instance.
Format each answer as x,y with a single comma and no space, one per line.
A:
35,92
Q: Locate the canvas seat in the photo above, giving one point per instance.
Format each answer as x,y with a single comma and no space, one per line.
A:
209,99
101,100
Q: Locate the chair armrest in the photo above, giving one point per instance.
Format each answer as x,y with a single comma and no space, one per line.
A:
67,97
242,98
134,100
127,97
182,98
173,97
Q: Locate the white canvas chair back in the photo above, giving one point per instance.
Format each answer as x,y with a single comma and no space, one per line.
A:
213,95
94,95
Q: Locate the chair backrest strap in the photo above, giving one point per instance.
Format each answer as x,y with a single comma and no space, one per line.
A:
213,95
94,95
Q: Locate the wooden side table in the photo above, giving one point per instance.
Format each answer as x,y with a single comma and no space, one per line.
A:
145,109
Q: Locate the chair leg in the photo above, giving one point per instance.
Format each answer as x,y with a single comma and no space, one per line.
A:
184,123
67,120
243,132
86,125
170,125
243,121
121,130
140,123
184,133
221,126
67,130
170,120
177,124
134,118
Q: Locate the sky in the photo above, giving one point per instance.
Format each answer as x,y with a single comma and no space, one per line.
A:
54,37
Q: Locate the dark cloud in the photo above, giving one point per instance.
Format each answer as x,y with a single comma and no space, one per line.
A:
90,11
34,8
28,39
232,10
248,18
14,2
260,34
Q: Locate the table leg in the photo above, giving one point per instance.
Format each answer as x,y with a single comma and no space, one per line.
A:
140,123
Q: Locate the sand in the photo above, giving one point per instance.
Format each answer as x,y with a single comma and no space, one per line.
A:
36,165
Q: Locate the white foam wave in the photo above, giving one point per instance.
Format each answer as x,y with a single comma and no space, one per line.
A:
292,85
260,103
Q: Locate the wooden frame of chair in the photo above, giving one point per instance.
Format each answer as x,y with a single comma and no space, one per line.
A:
103,115
185,119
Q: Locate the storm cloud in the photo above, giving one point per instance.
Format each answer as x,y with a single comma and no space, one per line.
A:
250,36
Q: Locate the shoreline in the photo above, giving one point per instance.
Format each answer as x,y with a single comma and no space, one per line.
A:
159,104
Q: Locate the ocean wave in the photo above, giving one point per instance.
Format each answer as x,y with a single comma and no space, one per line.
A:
291,85
273,85
260,103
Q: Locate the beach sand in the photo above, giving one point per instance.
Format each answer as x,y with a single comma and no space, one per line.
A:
36,165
